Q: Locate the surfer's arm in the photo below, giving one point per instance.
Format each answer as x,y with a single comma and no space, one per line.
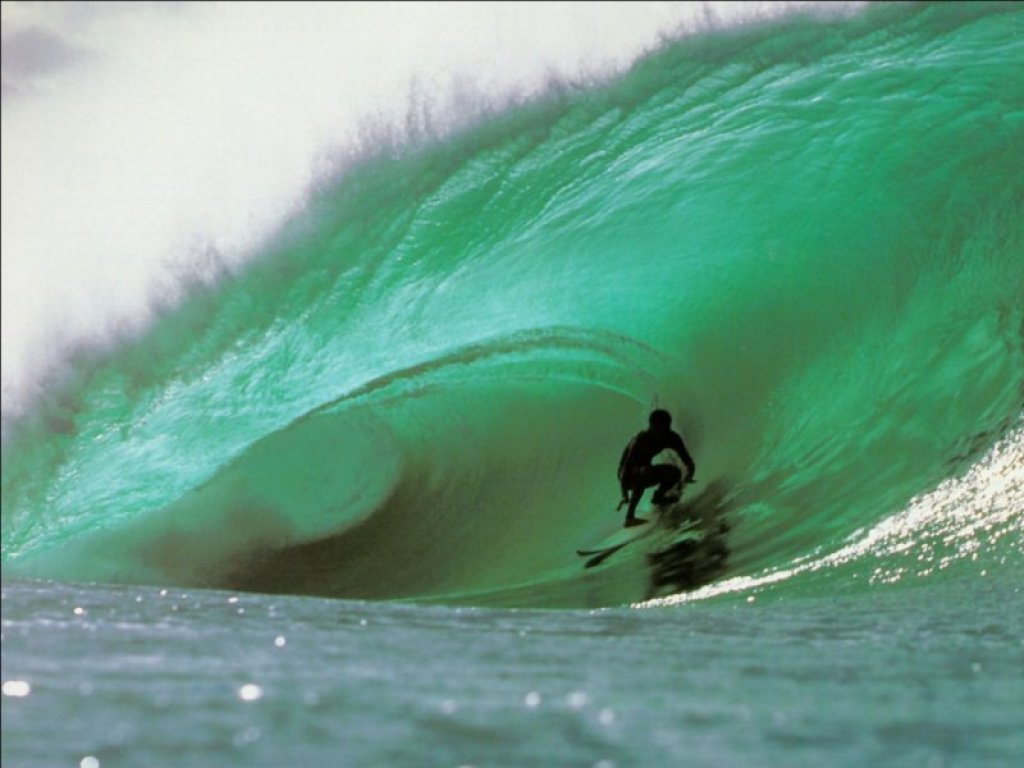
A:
623,464
680,448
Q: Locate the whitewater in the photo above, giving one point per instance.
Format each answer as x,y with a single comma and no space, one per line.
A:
323,498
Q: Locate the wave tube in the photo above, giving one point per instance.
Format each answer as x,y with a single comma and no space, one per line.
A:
803,237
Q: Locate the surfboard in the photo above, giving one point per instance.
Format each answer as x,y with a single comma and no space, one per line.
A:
619,538
609,545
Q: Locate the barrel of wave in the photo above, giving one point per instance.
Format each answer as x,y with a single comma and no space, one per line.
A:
320,475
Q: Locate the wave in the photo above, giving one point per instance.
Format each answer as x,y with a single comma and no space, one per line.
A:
802,236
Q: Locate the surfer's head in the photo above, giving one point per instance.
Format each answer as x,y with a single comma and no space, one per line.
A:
660,420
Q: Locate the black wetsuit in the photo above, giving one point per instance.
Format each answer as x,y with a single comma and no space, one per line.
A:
636,473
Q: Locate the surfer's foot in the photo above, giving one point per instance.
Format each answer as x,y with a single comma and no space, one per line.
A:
631,521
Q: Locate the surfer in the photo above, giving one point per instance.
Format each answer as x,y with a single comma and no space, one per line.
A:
636,474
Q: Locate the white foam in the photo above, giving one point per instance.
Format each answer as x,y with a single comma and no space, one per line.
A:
936,529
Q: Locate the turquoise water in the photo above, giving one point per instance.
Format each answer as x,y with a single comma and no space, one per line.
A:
803,237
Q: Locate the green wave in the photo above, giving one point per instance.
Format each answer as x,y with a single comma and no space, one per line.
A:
802,236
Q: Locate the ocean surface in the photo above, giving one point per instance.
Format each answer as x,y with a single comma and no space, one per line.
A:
324,508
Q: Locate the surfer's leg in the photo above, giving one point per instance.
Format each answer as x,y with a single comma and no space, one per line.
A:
667,477
644,478
635,494
639,482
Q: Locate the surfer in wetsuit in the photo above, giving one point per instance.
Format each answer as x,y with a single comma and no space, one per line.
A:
636,474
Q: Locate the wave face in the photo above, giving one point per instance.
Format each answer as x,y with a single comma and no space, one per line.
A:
803,237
